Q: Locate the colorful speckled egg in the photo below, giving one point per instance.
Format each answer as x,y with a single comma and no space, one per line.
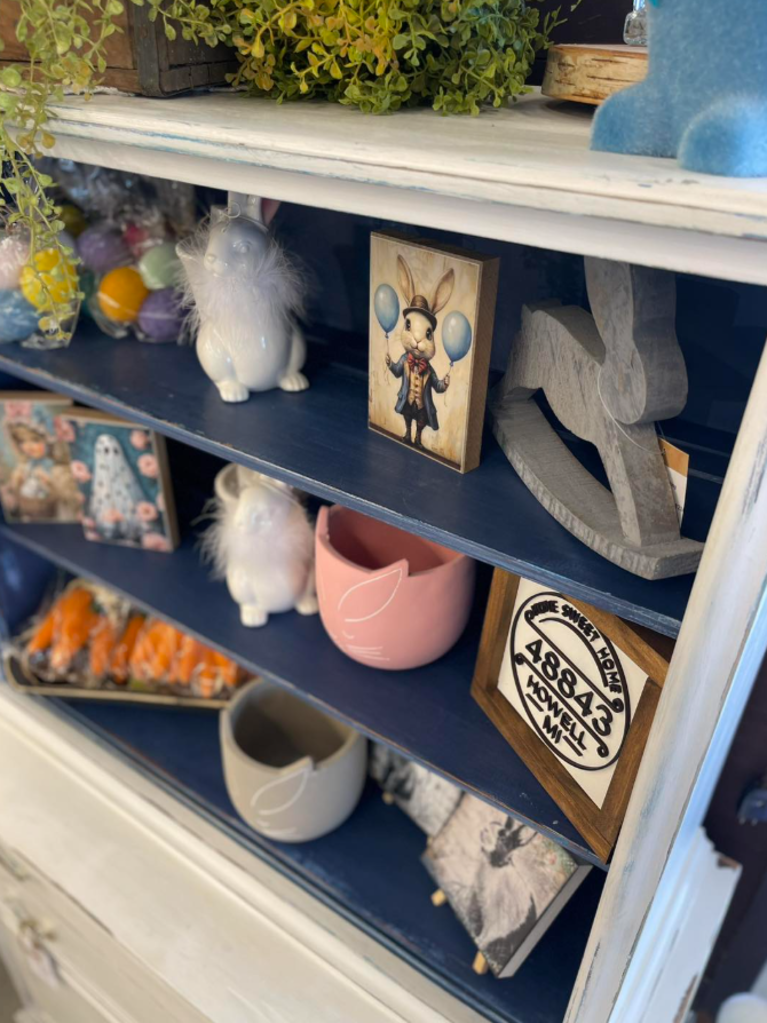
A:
14,253
121,294
101,248
50,278
73,219
160,266
18,318
160,317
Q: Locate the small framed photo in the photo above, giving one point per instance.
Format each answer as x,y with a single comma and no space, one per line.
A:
432,309
122,472
36,482
574,691
505,882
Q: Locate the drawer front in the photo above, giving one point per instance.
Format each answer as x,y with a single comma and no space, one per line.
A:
50,992
90,963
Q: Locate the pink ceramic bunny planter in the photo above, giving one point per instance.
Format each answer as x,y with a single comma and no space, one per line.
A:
387,598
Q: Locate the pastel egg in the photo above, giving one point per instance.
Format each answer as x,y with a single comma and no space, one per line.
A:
50,279
160,317
14,253
160,266
121,294
73,219
101,248
18,318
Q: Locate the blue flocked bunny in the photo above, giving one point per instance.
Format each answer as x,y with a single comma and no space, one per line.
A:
705,95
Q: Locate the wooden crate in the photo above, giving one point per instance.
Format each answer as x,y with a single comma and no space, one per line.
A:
139,58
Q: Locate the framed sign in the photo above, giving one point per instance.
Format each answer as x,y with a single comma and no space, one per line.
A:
574,691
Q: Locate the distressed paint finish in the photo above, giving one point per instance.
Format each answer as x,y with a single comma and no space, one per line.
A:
217,936
720,648
524,174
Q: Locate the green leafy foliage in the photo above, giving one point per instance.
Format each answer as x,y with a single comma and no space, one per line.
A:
378,55
65,41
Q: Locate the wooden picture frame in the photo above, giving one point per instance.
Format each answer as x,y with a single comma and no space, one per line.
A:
432,310
626,657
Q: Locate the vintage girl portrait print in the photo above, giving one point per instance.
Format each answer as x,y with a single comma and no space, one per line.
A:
574,687
424,311
36,483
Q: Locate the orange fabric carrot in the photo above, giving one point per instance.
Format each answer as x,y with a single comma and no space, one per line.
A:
165,650
74,620
229,671
43,634
187,659
103,639
154,651
124,648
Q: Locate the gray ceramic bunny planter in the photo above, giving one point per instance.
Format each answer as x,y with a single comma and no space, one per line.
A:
245,294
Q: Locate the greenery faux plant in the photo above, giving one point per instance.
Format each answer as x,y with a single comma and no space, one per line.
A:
378,55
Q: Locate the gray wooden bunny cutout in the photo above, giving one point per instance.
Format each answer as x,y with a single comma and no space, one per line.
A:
607,377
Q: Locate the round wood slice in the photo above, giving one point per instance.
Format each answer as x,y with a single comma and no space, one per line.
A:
590,74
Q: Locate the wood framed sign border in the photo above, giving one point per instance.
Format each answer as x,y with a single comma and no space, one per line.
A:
569,715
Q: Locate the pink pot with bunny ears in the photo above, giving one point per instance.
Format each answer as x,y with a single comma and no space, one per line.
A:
387,598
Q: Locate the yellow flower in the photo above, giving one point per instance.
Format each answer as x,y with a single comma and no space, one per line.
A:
50,280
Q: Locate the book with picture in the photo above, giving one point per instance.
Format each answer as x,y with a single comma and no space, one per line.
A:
122,472
506,882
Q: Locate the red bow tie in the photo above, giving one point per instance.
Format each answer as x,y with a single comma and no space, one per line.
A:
421,364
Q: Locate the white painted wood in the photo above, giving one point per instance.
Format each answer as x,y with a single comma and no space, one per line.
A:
522,174
224,930
85,953
719,651
664,982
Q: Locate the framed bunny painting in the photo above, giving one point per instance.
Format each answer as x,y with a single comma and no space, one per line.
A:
122,472
431,330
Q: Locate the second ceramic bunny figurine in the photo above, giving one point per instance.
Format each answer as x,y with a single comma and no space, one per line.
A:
263,545
245,295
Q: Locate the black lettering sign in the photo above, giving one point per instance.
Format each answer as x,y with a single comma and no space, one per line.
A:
571,682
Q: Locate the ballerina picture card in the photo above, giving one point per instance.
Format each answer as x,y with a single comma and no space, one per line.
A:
122,472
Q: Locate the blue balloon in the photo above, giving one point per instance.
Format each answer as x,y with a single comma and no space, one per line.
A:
456,336
18,318
386,305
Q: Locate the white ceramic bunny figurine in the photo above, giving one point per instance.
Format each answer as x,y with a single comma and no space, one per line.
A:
245,295
263,545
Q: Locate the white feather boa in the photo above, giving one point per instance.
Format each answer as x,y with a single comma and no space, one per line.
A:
275,291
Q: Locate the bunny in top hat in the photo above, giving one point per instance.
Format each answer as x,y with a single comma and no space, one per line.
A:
415,402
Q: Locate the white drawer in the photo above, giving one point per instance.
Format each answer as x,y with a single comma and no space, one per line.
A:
92,968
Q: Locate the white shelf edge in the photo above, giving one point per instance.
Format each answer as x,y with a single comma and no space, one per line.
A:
522,175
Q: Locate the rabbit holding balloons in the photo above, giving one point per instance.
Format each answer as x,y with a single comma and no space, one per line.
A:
415,401
436,303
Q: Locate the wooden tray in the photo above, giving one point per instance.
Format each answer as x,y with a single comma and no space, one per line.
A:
591,74
24,681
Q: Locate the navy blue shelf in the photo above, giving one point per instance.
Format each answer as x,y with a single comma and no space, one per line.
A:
319,441
427,714
368,869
